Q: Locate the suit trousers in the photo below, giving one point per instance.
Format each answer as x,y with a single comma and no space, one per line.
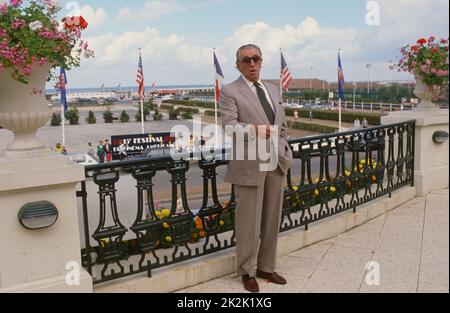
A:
257,223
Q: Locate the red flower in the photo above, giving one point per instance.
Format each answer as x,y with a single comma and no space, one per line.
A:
434,50
74,22
415,49
444,41
422,41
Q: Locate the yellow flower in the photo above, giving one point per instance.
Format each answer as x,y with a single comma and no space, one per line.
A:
362,162
347,173
222,223
104,242
168,239
158,213
165,213
316,192
165,225
295,188
374,165
316,181
333,189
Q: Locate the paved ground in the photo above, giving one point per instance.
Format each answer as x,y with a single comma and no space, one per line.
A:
409,245
77,137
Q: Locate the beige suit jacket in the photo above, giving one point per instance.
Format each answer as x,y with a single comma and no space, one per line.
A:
239,105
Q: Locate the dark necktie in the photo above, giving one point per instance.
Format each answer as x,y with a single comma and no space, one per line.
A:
265,103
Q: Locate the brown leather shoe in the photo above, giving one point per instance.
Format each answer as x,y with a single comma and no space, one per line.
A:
272,277
250,283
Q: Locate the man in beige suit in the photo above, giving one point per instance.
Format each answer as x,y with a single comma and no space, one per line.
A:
252,104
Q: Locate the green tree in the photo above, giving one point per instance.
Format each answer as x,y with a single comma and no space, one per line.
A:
108,116
56,120
124,117
91,118
157,116
173,114
73,116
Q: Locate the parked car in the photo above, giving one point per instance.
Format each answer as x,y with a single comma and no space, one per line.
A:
82,159
359,145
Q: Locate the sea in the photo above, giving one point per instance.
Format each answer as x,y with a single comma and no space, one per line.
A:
124,88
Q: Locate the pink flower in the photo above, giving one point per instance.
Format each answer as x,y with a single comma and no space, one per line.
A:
3,8
428,62
15,3
431,39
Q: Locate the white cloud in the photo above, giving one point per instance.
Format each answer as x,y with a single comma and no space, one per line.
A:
173,59
94,18
151,10
304,45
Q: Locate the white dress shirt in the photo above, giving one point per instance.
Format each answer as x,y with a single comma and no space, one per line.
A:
253,88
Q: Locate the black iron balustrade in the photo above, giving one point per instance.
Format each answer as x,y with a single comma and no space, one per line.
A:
331,174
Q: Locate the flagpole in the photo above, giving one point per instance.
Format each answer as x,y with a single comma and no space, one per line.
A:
142,100
216,119
63,125
281,78
340,102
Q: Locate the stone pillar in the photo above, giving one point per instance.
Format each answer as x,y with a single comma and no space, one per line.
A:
40,260
431,159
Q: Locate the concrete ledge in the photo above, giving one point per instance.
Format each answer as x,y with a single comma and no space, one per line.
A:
54,285
201,270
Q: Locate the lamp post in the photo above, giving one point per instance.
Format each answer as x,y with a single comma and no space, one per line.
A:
368,66
310,78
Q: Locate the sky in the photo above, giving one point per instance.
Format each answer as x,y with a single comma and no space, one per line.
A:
177,37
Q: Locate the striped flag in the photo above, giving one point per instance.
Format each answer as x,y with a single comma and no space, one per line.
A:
286,77
140,78
341,80
62,88
219,78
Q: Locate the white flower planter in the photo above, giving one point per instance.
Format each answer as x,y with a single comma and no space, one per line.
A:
425,93
23,112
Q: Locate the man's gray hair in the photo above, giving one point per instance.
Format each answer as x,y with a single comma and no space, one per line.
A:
248,46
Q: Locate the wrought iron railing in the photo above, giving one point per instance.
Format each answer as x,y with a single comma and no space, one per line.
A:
331,174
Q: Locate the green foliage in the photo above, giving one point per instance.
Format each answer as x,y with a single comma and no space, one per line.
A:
91,118
124,117
56,120
73,116
22,25
323,129
211,113
157,116
202,104
108,116
173,114
349,117
188,115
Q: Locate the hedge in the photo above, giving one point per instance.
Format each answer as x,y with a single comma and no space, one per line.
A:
349,117
211,113
202,104
313,127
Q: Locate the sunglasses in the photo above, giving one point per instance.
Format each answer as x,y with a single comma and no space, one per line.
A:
248,60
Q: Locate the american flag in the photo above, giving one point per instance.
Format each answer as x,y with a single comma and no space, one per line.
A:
140,78
219,78
286,77
341,79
